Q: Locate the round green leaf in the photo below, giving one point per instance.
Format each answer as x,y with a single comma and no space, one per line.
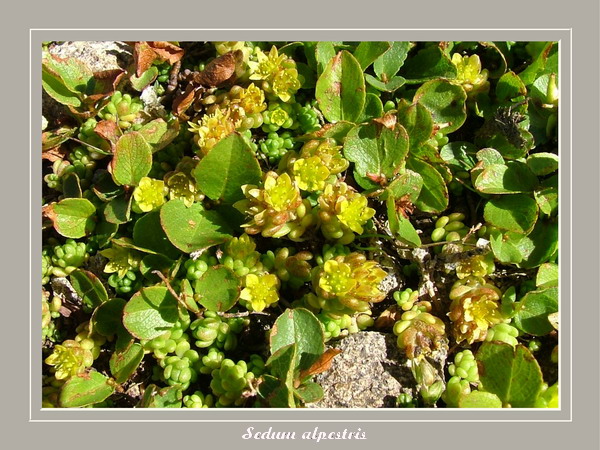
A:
194,228
417,121
340,89
158,133
446,103
218,289
533,310
85,389
118,210
459,154
516,213
89,287
145,78
543,163
429,63
132,160
479,399
299,326
511,178
72,217
376,150
150,312
373,108
510,86
390,62
226,168
512,374
125,362
107,318
547,200
368,51
148,233
433,197
547,276
155,397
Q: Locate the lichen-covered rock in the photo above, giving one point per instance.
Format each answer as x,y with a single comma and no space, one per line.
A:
97,55
369,373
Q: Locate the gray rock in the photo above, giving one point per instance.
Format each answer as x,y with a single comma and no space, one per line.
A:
97,55
369,373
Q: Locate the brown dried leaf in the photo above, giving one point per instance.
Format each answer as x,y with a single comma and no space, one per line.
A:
167,51
143,56
388,121
54,154
388,318
220,69
53,139
322,364
182,102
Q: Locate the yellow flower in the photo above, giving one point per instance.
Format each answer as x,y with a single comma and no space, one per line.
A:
280,193
267,66
354,213
310,174
261,291
212,128
149,194
69,359
336,278
470,75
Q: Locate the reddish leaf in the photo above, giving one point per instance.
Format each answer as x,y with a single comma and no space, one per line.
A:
220,69
182,102
322,364
107,82
388,318
388,121
144,56
167,51
107,129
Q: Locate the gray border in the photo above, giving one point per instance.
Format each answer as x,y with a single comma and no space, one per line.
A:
516,14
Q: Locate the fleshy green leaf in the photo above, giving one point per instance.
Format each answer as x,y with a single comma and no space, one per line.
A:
194,228
299,326
533,310
150,312
132,160
446,103
89,287
340,89
516,213
72,217
218,289
226,168
85,389
376,150
512,374
367,52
